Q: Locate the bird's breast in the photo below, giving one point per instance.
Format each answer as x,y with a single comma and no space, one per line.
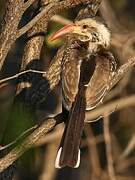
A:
75,64
97,75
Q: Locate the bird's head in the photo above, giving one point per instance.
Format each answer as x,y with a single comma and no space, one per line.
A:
87,30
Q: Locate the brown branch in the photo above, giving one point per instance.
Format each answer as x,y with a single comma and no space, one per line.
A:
122,71
51,137
130,147
21,73
14,154
49,171
121,86
24,134
123,165
108,146
110,107
32,49
13,15
93,153
50,11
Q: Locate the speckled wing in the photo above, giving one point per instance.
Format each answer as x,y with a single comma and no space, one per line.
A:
70,77
100,82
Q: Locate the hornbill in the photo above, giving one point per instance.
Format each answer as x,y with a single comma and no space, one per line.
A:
87,70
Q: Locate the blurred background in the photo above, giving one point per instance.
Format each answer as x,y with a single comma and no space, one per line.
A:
38,162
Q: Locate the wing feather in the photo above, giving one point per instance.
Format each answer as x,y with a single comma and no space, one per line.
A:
101,79
70,77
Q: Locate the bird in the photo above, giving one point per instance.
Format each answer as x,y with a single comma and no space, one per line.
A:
87,69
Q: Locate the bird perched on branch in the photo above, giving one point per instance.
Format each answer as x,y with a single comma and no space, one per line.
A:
87,70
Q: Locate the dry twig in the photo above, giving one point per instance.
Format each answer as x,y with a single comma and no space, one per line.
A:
93,153
27,143
110,107
130,147
108,149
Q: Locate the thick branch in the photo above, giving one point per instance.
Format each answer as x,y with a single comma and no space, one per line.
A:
27,143
13,14
50,11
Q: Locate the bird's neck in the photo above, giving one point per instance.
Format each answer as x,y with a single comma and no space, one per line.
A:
92,48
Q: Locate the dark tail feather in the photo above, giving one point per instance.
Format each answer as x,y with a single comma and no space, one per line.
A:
69,153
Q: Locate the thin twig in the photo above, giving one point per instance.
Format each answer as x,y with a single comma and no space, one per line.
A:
123,165
122,71
49,171
108,149
110,107
92,148
130,147
121,85
21,73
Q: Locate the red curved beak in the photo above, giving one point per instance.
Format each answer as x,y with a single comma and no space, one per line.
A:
66,29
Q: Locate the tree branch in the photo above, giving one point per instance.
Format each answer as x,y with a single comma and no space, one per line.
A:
8,35
50,11
109,108
108,146
21,73
14,154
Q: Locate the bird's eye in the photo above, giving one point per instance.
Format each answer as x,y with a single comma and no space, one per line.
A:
94,34
85,26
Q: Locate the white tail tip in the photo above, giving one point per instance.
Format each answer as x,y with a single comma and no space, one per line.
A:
78,160
57,161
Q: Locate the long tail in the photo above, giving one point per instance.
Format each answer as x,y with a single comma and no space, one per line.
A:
69,153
